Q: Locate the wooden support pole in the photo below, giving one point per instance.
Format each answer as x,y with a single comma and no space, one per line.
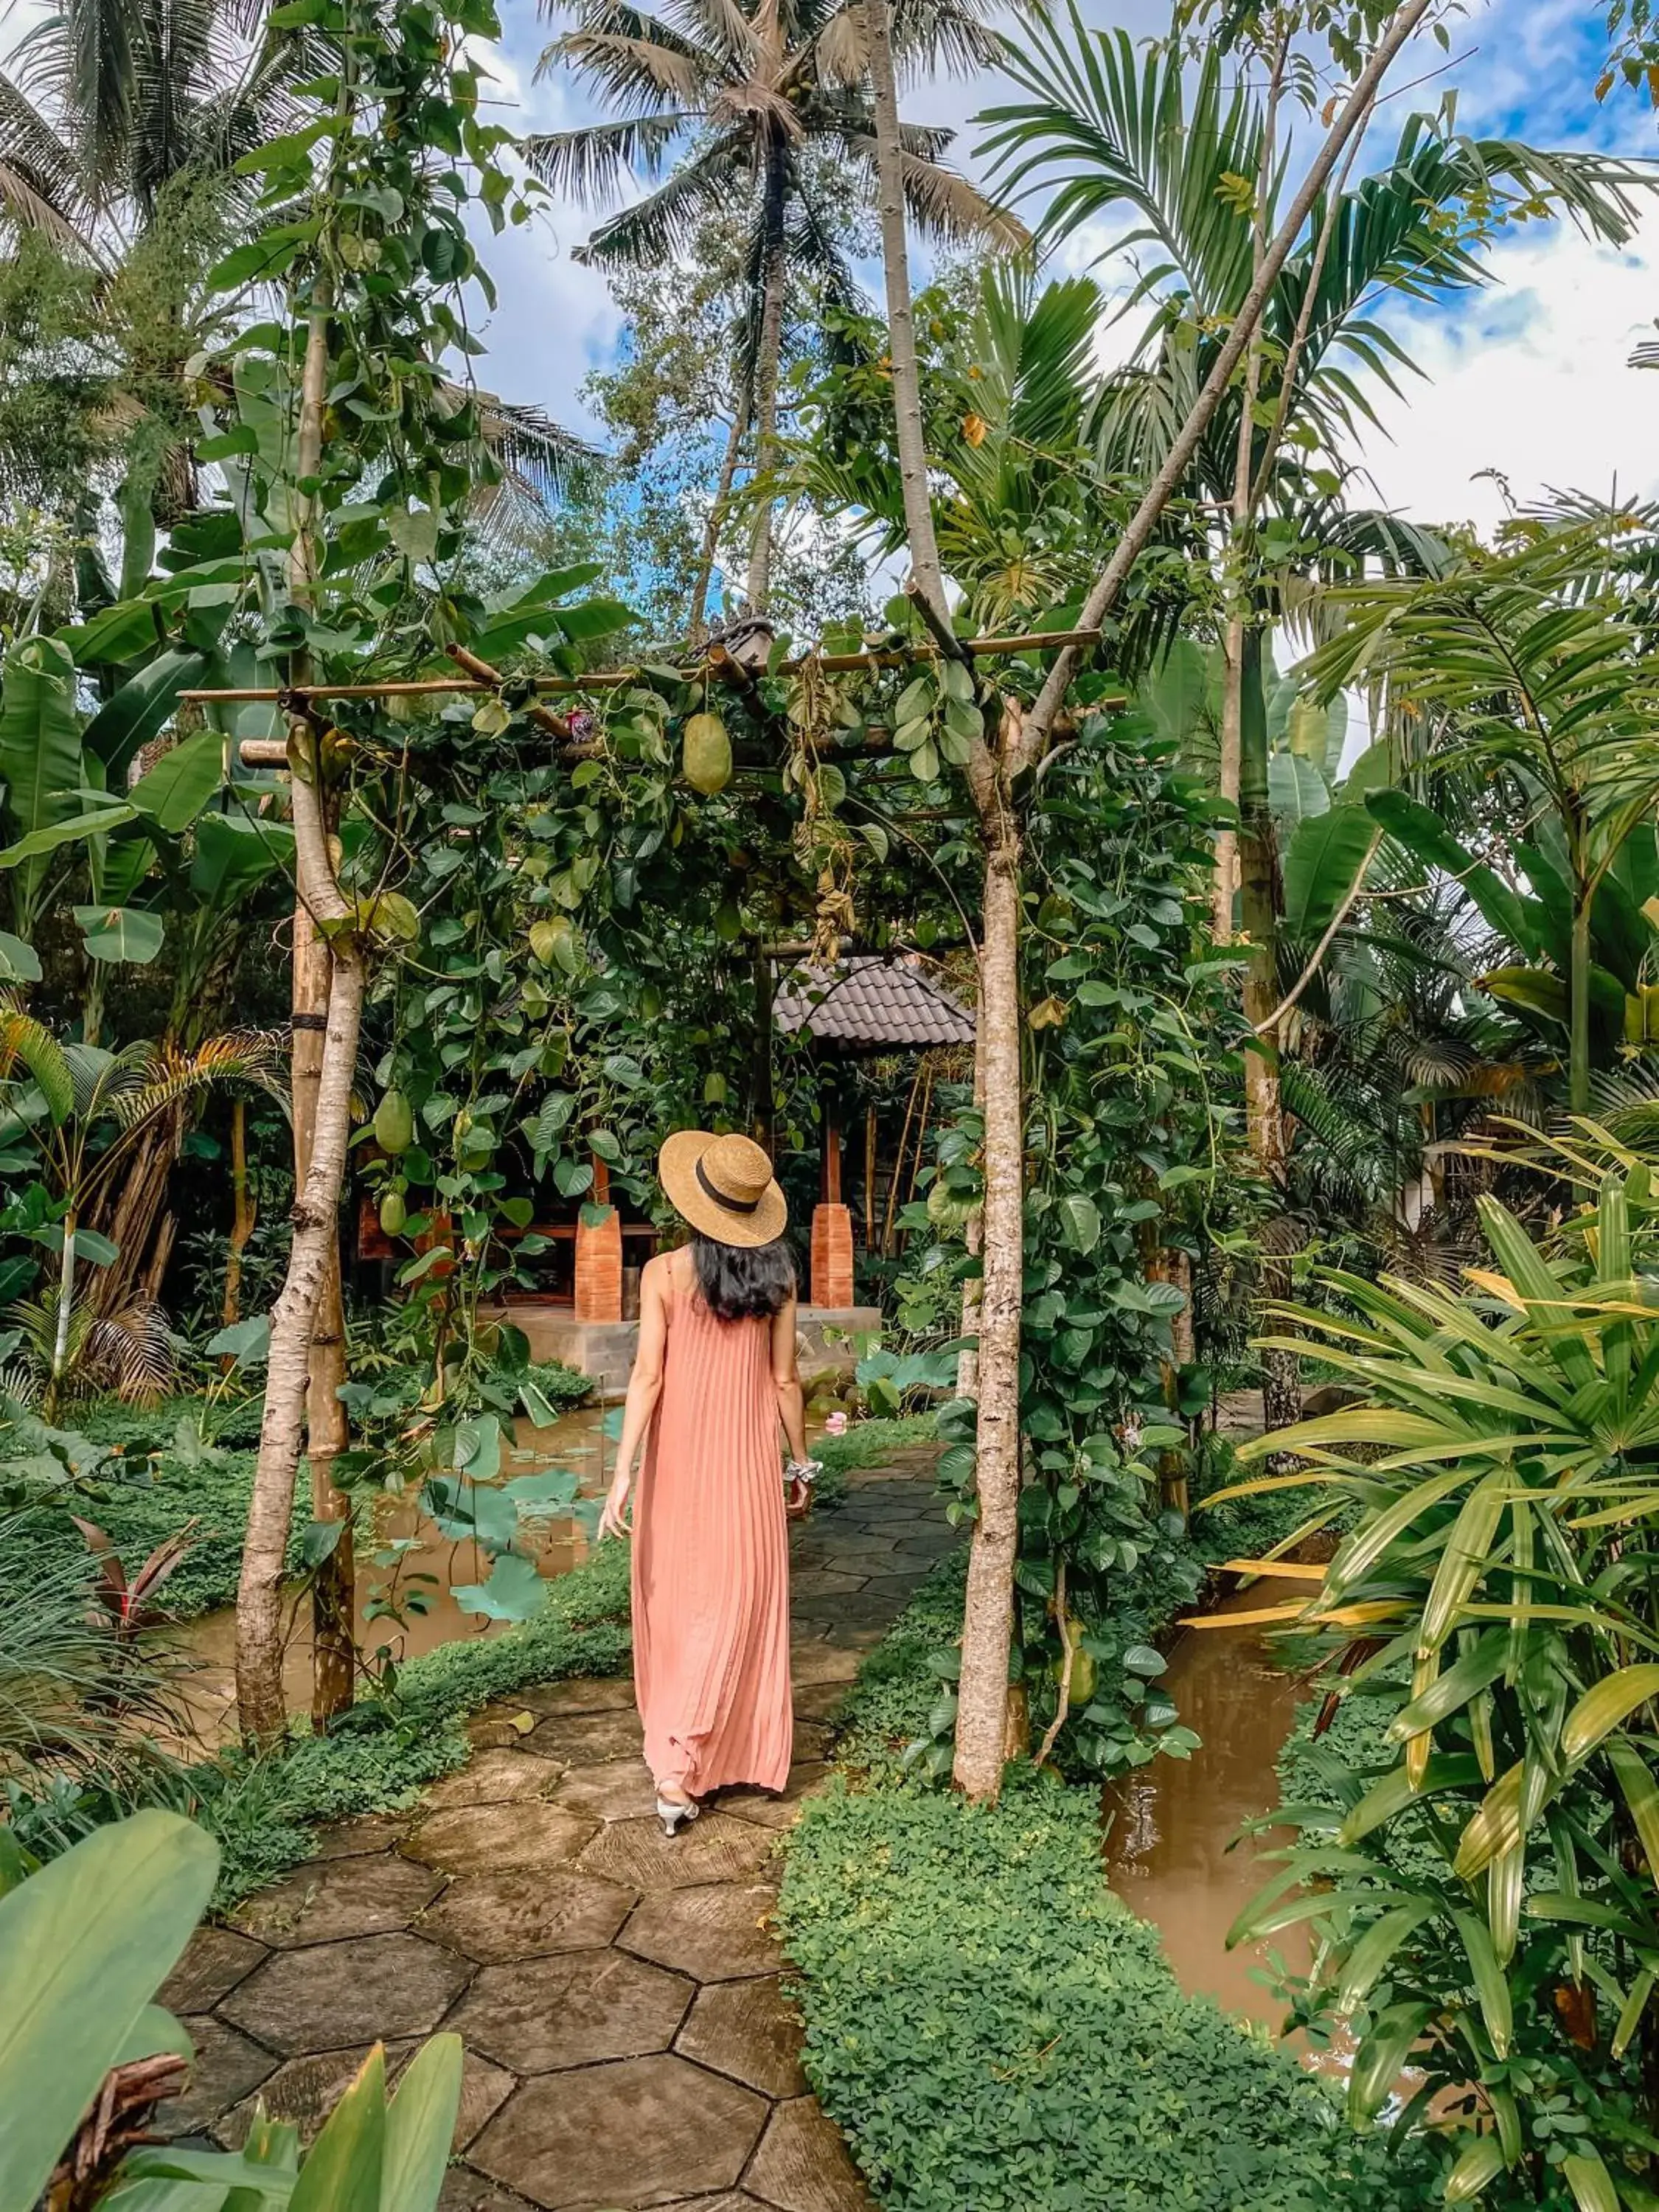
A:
609,679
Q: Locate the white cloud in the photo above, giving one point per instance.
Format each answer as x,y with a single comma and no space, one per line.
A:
1528,378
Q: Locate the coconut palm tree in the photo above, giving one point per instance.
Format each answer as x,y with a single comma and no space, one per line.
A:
720,102
106,102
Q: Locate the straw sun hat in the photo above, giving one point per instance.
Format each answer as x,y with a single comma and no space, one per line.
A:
723,1186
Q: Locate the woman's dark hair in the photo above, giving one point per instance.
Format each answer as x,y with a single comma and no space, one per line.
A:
740,1282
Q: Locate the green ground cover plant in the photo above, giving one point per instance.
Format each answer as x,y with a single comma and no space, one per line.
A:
989,2025
143,1495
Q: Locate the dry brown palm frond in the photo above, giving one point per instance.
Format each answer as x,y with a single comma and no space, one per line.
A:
166,1075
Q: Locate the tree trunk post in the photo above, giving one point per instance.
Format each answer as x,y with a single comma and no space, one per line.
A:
324,927
900,319
333,1592
988,1615
260,1703
766,359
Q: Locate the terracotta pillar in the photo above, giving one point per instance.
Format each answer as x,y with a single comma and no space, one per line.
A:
832,1229
599,1255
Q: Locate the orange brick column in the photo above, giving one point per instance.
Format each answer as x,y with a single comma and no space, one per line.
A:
599,1256
832,1255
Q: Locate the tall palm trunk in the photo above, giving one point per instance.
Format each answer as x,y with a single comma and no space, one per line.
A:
1238,535
1259,901
900,322
697,621
988,1615
768,355
1259,910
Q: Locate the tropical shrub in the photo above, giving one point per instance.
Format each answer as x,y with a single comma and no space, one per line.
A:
1486,1857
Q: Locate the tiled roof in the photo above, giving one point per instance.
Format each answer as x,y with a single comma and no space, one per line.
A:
869,1002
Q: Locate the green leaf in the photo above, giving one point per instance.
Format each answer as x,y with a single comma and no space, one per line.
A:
1296,790
1378,2061
140,710
420,2126
1081,1216
1606,1705
1371,1955
84,1944
1641,1792
182,781
39,747
1424,834
18,961
246,1342
120,933
342,2171
235,852
1325,857
1491,1983
67,831
1478,2165
1590,2182
514,1591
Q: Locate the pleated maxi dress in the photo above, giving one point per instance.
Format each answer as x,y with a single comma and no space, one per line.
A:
711,1560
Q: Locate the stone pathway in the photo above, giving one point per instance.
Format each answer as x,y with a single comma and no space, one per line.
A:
629,2041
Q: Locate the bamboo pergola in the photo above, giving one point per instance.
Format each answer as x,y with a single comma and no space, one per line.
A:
717,662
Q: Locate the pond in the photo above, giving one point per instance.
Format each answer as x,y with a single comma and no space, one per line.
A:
577,1441
1170,1854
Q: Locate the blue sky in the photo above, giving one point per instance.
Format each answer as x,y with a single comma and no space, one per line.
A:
1527,378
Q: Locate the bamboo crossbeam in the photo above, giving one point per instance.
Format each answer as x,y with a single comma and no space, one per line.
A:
608,679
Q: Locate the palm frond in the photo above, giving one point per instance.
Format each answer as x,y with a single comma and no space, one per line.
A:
542,462
589,164
632,62
665,222
1106,133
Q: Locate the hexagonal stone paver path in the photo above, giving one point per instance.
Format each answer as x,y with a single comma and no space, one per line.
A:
628,2040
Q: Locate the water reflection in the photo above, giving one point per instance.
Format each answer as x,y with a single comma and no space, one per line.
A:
576,1442
1172,1823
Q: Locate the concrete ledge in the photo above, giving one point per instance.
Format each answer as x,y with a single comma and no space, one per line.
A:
605,1349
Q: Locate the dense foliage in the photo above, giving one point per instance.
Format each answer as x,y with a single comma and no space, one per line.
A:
1486,1825
989,2025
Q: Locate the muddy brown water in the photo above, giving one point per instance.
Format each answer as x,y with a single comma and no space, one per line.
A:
576,1442
1169,1849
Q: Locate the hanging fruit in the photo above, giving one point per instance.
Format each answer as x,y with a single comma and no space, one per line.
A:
706,750
393,1213
394,1123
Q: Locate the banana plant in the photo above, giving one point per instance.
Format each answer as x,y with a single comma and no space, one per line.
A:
87,2056
65,789
1481,1884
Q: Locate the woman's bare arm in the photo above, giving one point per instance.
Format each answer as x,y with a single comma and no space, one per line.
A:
792,1399
644,1388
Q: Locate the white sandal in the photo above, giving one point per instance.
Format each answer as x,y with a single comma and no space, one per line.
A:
676,1815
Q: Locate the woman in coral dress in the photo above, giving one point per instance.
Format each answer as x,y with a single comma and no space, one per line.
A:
714,1379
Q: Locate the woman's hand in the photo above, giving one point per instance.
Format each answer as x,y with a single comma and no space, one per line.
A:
798,1500
613,1521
